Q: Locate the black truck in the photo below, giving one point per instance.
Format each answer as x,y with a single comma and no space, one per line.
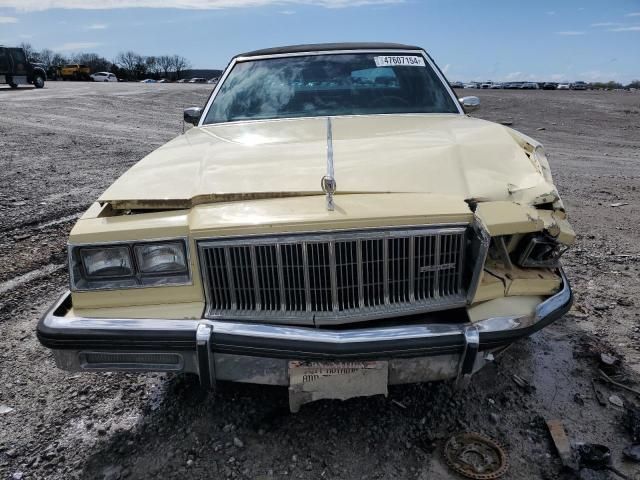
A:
15,69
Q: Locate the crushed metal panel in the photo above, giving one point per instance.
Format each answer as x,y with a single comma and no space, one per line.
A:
310,381
521,281
504,218
490,287
557,226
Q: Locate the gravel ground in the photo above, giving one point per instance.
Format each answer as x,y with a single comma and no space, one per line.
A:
61,146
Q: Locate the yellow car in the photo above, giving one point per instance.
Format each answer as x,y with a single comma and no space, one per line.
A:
75,72
334,223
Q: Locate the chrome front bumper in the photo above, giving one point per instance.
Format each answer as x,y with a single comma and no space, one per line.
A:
260,353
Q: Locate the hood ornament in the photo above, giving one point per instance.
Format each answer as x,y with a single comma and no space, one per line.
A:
328,182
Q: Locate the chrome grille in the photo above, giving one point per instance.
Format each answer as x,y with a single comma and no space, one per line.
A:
349,276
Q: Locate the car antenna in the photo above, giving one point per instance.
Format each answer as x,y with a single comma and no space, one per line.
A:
328,182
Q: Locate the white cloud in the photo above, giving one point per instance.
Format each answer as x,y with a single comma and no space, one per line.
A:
551,12
606,24
513,75
633,28
8,19
633,14
570,32
446,68
96,26
26,36
39,5
288,12
66,47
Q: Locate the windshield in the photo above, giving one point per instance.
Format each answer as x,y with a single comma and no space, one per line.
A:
338,84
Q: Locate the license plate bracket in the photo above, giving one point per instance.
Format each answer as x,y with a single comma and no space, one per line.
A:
312,380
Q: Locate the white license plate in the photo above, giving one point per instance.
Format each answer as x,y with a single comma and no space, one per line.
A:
309,381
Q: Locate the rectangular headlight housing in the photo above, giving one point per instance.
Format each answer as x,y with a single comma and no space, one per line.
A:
129,265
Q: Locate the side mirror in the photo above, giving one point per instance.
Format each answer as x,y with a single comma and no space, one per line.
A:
469,103
192,115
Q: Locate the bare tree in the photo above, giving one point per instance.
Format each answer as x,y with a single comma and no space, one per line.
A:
179,64
165,64
46,57
152,66
94,61
58,59
130,62
29,51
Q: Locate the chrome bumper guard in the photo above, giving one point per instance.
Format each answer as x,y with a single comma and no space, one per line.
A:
260,353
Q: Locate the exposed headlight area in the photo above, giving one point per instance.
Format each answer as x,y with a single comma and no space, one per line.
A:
129,265
539,250
535,250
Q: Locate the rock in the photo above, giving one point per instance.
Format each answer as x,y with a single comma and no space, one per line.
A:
5,409
632,452
17,476
237,442
616,400
495,418
113,472
190,463
13,453
540,129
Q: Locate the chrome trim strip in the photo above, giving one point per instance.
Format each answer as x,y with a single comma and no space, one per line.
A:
329,181
206,365
483,237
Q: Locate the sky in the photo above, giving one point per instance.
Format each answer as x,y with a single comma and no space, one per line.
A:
470,40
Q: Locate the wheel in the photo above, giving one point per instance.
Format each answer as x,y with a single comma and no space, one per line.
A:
38,81
13,85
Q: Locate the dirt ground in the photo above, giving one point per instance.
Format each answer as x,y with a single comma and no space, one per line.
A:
62,145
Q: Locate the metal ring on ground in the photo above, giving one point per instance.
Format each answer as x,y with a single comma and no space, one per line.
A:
475,456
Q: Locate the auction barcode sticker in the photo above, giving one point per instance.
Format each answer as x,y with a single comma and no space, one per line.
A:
399,61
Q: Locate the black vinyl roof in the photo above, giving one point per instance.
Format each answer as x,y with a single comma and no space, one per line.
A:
320,47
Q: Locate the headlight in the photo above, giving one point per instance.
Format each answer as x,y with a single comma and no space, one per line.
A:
128,265
161,258
107,262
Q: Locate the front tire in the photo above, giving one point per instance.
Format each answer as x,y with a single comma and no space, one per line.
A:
13,85
38,81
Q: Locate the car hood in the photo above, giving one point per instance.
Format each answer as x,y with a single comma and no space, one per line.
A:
430,153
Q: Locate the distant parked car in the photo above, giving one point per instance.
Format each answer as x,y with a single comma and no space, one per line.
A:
164,80
148,80
549,86
16,70
182,80
512,85
578,86
471,85
564,86
496,86
457,85
213,80
104,77
486,85
198,80
529,86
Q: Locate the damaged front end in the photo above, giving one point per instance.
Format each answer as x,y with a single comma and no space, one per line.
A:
524,249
